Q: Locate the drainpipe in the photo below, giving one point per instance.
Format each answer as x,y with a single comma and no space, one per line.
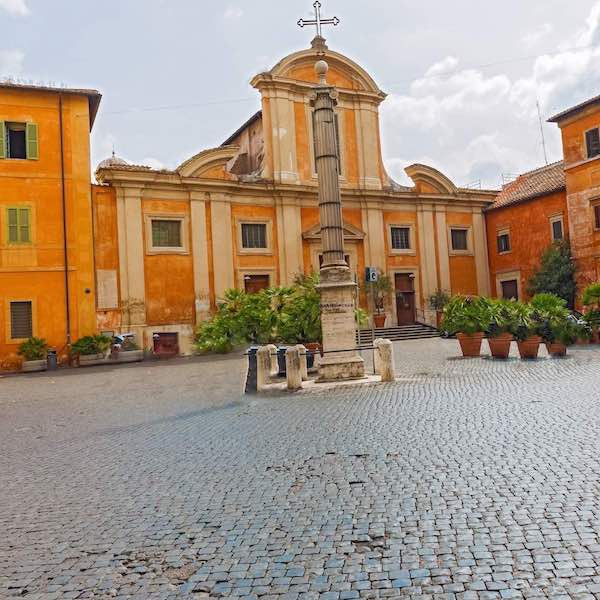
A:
64,220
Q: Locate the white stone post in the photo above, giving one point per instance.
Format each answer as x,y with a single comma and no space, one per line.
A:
293,370
274,370
376,356
303,362
387,369
263,368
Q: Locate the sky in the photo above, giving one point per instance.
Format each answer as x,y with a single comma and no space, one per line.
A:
462,77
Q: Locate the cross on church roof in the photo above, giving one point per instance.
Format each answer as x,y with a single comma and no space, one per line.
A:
318,21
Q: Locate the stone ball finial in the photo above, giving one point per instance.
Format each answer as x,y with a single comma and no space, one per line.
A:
321,69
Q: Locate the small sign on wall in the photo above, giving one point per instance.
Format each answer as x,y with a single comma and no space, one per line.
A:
371,274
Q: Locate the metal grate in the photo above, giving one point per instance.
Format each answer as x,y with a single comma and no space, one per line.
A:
401,238
21,322
166,234
254,235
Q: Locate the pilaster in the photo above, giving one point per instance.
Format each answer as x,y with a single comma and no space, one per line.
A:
443,252
222,244
480,249
427,251
200,255
283,132
292,241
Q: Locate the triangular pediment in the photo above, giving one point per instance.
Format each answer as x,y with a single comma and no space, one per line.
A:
351,233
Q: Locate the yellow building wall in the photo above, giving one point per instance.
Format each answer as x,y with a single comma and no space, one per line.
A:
36,271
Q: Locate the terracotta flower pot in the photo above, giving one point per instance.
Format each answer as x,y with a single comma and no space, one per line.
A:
379,321
529,348
556,349
314,347
583,342
500,345
595,336
470,344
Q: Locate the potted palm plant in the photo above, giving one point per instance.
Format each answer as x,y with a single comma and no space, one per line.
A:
467,318
591,300
526,328
558,328
499,331
92,349
34,352
379,290
437,302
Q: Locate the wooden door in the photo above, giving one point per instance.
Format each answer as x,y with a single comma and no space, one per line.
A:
405,298
254,284
510,289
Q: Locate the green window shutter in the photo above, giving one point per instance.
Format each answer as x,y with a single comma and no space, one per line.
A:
32,141
2,140
24,225
13,225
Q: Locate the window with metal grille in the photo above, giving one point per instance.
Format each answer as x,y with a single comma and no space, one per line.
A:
166,234
557,230
592,142
254,235
401,238
459,239
21,321
19,225
503,242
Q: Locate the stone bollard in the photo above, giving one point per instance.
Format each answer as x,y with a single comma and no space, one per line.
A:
293,370
303,362
263,376
274,370
387,369
376,356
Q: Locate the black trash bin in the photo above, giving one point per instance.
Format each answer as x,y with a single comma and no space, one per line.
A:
252,376
52,360
281,361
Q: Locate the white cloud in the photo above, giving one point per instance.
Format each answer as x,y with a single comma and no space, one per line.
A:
233,12
473,125
533,37
15,7
11,63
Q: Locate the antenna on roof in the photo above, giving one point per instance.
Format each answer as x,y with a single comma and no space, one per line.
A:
537,103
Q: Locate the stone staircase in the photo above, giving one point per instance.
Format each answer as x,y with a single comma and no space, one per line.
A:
417,331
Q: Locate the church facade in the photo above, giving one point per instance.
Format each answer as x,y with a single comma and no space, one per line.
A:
245,214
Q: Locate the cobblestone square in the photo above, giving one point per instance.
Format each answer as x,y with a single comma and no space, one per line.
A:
466,479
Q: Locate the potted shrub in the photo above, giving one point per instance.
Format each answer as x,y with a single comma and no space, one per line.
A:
34,352
584,332
556,328
526,327
467,318
92,349
438,302
591,300
379,290
499,330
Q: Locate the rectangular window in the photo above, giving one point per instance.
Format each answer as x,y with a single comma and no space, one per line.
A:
21,320
459,239
597,215
510,289
592,142
557,230
400,238
254,235
19,225
166,233
16,140
503,243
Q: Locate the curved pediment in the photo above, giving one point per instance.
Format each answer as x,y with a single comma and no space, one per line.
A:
343,73
430,180
211,164
351,233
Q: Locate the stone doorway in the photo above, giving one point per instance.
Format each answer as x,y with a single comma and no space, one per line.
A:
405,298
253,284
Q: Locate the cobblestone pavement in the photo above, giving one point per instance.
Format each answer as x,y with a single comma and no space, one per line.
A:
467,479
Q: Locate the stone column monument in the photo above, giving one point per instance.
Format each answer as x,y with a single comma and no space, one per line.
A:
338,291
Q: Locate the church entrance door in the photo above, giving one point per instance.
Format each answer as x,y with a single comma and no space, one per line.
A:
405,298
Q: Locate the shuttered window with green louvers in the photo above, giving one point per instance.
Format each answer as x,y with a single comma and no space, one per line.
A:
19,225
21,320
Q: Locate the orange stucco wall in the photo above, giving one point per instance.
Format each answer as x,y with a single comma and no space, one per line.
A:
530,232
463,273
35,271
169,277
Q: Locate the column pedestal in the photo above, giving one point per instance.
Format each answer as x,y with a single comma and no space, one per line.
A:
341,360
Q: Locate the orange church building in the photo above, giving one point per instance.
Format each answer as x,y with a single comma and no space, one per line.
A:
245,214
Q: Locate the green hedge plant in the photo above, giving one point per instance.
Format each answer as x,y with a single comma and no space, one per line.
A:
466,314
34,349
91,344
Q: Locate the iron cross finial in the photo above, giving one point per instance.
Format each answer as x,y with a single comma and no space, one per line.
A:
318,21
